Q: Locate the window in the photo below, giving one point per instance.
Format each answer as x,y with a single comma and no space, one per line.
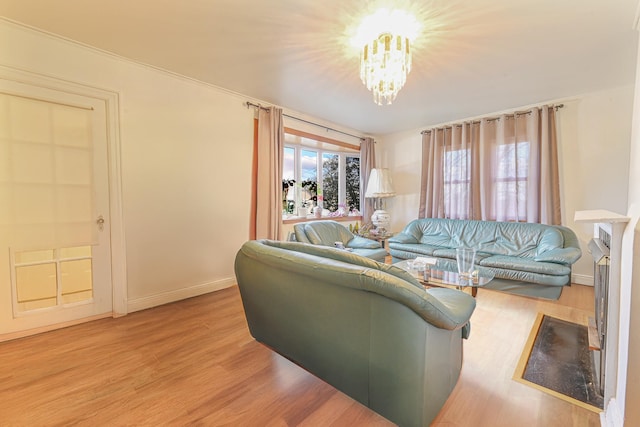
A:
52,277
316,172
457,183
508,182
511,180
496,168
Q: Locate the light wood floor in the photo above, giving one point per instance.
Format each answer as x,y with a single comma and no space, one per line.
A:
194,363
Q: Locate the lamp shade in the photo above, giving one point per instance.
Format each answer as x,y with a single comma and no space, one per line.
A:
380,184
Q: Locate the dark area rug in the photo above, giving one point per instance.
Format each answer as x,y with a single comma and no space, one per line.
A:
559,360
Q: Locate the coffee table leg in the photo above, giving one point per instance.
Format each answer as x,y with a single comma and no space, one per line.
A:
474,291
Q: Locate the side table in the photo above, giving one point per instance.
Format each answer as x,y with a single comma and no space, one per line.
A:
382,238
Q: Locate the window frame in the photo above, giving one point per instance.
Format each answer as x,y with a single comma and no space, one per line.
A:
321,146
517,179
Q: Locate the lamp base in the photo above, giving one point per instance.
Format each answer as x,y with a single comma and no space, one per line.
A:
381,220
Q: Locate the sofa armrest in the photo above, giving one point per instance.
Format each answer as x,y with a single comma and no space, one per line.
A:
444,308
359,242
565,256
403,238
459,308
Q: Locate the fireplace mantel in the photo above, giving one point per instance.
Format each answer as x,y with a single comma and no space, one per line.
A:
600,215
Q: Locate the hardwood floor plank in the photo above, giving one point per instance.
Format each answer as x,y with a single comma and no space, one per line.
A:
194,363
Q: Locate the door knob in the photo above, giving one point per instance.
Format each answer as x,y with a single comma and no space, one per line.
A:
100,222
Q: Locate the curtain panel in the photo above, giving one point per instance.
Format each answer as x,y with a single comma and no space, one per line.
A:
268,185
502,169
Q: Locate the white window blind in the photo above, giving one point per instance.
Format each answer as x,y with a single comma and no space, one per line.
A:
46,174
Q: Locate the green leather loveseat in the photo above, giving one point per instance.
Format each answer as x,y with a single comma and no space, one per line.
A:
328,232
527,259
368,329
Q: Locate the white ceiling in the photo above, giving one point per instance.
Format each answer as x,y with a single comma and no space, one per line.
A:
474,56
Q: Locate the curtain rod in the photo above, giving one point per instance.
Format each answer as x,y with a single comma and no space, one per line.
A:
251,104
491,119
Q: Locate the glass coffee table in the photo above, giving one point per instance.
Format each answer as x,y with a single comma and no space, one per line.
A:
445,274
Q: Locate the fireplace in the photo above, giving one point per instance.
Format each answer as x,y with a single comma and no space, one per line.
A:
600,249
605,247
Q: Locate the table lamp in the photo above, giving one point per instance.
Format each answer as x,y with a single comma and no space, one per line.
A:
378,188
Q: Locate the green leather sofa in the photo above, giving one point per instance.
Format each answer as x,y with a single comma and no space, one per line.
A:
527,259
327,232
368,329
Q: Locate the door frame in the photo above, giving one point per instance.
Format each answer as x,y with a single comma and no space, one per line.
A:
112,108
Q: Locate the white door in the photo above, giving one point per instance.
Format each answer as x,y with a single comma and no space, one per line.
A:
55,265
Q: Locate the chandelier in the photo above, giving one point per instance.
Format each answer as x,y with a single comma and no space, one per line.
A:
385,57
384,65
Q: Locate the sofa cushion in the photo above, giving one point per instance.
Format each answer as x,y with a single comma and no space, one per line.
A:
521,276
414,249
359,242
326,233
379,254
523,264
451,254
566,256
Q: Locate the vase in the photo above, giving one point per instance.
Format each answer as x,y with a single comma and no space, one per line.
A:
317,212
465,258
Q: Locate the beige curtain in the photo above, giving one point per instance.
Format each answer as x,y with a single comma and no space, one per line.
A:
550,210
367,162
501,169
431,189
270,150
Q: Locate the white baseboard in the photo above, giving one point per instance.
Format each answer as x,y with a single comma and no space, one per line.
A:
179,294
611,417
582,279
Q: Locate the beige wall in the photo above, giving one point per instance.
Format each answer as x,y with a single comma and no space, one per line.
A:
186,164
594,134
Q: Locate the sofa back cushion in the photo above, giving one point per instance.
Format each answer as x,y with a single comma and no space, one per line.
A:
324,233
496,238
344,256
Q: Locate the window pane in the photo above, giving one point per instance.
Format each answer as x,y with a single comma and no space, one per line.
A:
330,181
457,177
309,165
511,181
288,171
76,252
523,160
309,175
513,161
33,256
76,280
36,286
353,182
288,181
